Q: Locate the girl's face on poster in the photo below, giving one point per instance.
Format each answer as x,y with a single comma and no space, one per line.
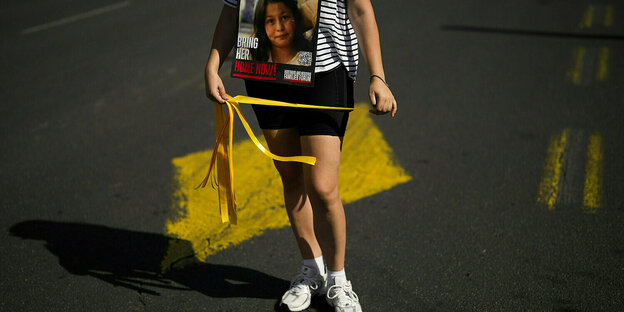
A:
279,24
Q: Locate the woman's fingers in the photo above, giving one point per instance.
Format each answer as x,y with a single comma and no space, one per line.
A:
394,107
215,95
223,94
219,94
373,97
215,90
382,100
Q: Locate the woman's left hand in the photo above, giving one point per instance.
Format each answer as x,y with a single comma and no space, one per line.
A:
381,98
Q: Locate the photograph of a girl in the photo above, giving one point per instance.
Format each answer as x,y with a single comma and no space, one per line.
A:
279,27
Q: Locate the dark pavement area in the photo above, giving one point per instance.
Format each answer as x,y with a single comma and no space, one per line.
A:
94,109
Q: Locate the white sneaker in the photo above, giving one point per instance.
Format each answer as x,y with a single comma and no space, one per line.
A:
306,284
342,297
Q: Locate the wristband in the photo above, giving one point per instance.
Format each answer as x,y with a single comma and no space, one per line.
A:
377,76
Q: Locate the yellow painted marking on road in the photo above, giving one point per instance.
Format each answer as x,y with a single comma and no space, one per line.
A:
186,83
588,17
608,17
75,18
223,73
549,187
593,175
574,74
368,167
603,64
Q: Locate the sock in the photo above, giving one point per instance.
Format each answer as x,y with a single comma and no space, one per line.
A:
336,277
317,263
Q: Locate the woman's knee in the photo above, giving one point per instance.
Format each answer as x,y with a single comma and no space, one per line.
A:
291,173
324,191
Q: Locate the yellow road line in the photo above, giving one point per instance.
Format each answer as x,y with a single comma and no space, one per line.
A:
574,74
75,18
593,175
608,17
549,187
588,17
223,73
259,191
185,83
603,64
226,73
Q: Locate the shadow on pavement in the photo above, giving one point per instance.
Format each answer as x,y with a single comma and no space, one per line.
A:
132,260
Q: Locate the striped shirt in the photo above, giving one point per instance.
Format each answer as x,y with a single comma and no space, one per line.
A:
336,42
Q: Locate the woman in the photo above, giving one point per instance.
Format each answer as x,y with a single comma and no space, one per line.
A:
311,194
278,25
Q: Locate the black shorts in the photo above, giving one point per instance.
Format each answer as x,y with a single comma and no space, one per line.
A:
332,88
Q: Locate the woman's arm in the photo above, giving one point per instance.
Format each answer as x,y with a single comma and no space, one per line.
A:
222,43
362,18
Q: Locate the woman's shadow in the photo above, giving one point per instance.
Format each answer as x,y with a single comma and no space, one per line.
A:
133,260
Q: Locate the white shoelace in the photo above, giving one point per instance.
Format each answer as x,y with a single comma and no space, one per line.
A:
302,283
345,294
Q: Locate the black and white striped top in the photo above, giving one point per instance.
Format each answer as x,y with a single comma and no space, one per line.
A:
336,42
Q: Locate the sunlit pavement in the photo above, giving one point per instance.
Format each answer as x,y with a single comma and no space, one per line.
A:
497,187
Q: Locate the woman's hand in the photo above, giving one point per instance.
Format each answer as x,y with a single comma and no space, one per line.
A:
214,87
222,43
362,18
381,98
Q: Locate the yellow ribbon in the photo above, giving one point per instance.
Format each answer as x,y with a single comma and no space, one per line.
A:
222,153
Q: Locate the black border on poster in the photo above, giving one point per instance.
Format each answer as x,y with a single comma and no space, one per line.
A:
299,75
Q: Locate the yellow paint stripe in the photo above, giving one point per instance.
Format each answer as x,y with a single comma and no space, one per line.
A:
593,175
368,167
549,187
188,82
574,74
76,18
588,17
603,64
608,17
225,72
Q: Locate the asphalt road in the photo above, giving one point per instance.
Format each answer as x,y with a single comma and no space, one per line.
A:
97,97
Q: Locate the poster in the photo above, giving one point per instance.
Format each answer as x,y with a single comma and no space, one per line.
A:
276,41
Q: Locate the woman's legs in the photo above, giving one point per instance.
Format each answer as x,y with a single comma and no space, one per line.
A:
321,186
316,215
309,189
286,142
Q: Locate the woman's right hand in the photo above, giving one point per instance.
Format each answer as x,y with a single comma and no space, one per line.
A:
214,87
222,43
